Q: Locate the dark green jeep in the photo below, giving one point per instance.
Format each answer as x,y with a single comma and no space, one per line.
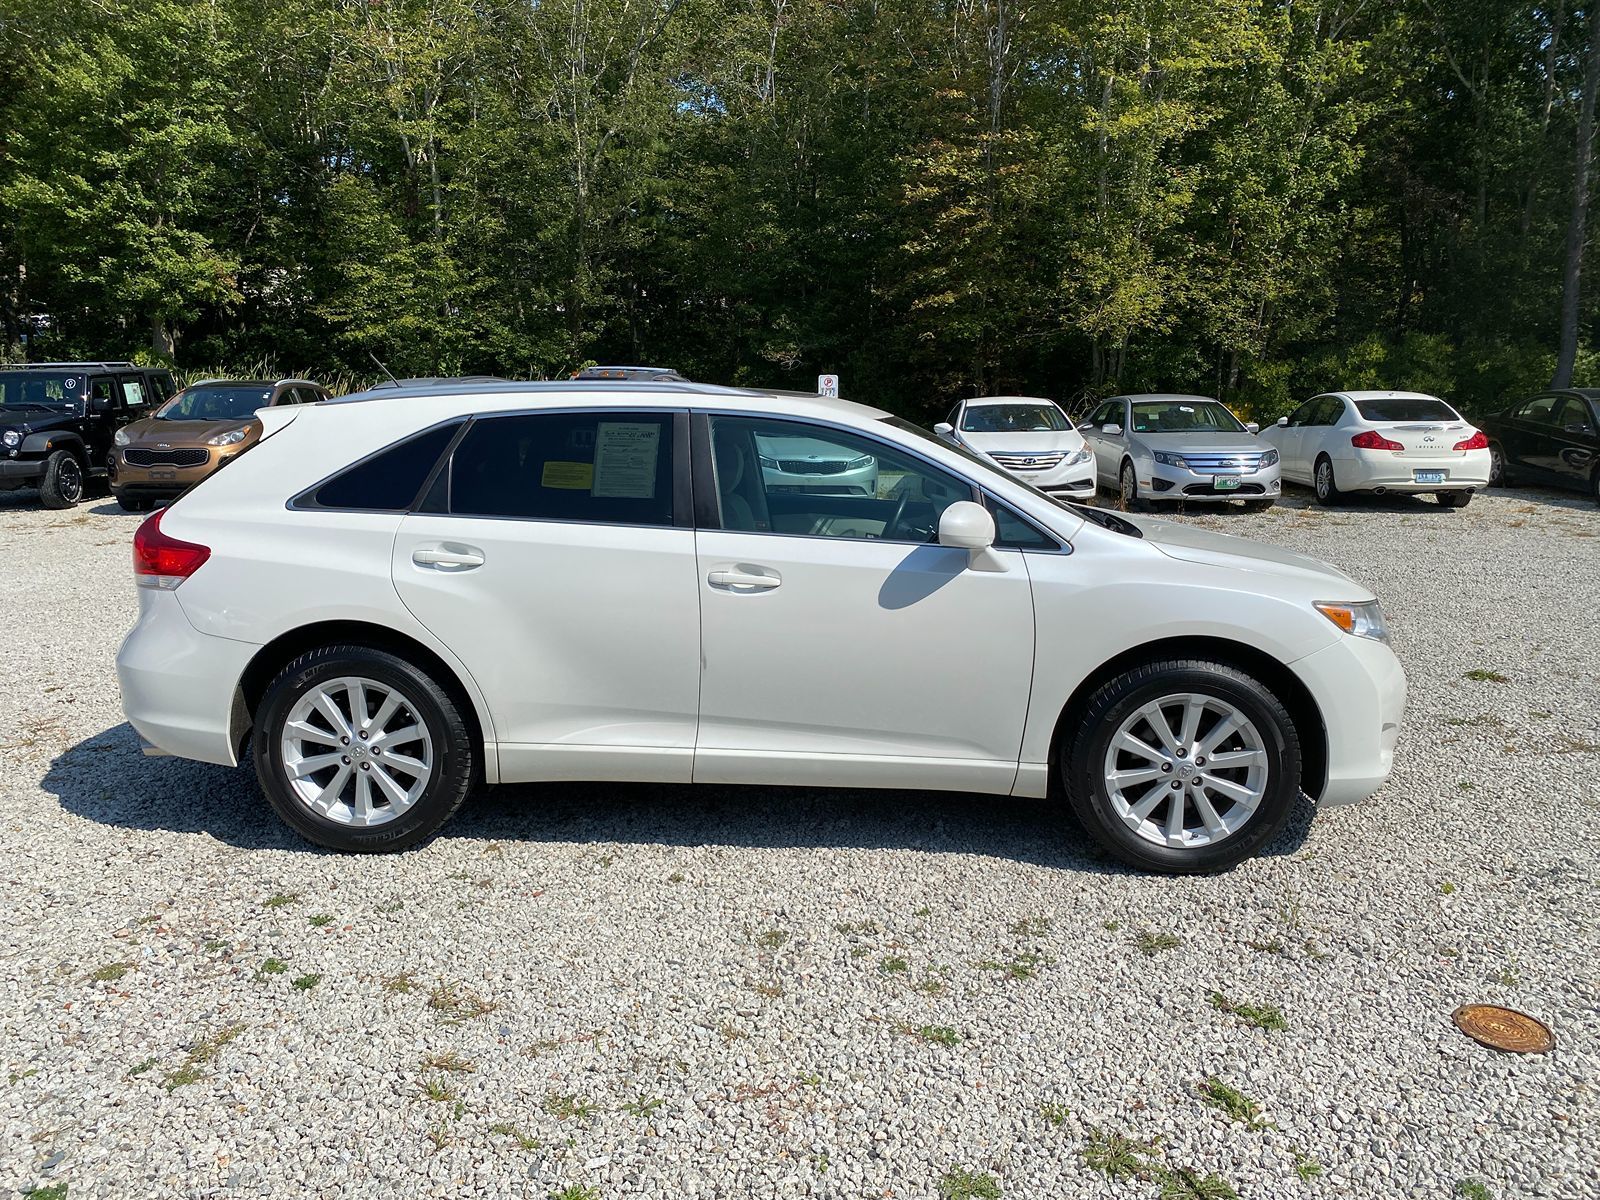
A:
57,421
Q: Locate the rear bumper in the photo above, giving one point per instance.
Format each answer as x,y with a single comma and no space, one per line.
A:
1372,469
20,473
178,684
1360,687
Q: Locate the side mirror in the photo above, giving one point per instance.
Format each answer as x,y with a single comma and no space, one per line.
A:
100,404
944,429
968,526
1112,429
1252,427
1283,420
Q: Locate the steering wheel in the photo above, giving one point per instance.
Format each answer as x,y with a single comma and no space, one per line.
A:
892,525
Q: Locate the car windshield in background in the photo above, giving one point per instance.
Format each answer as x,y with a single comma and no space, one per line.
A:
1183,416
216,403
1406,409
1013,418
40,389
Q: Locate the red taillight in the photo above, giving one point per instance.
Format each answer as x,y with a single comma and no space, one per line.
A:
162,561
1373,440
1476,442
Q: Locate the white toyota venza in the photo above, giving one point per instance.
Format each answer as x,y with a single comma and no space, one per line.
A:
395,597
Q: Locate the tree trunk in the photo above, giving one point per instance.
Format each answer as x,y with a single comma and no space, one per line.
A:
162,341
1572,272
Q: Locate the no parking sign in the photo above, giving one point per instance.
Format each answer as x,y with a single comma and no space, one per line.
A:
828,385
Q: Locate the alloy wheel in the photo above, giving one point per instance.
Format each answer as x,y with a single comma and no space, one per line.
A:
1497,466
1186,770
69,480
356,751
1324,479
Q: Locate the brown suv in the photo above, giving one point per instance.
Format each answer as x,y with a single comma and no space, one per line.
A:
203,427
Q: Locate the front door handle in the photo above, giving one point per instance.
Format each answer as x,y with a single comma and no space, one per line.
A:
743,578
448,557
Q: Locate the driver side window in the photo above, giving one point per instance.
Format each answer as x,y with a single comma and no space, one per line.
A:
774,476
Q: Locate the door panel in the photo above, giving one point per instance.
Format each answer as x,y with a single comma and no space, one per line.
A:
868,663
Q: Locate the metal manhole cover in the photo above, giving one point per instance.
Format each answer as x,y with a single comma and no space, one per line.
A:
1503,1028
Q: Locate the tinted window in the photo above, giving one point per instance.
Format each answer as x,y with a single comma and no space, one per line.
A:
216,402
1183,416
820,481
1573,416
1303,415
1541,410
609,467
1012,532
1406,409
390,479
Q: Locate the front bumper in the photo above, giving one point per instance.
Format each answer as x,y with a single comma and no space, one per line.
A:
1360,688
1369,470
1075,481
863,481
20,473
178,684
1180,483
163,481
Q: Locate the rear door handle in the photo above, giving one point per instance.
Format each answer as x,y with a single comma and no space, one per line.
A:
743,578
448,557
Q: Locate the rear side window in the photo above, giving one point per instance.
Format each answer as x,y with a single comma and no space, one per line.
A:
389,480
612,468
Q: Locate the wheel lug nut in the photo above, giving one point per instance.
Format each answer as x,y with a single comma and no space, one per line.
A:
1183,753
363,735
1198,761
1176,784
1166,766
366,766
344,741
345,760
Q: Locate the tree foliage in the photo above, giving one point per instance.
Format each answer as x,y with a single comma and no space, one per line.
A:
930,197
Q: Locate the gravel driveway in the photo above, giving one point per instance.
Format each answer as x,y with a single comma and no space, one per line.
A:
620,991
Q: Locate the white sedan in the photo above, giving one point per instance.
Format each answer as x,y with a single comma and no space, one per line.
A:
1379,442
1028,436
399,595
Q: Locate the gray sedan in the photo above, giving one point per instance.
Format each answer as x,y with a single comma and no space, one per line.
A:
1185,448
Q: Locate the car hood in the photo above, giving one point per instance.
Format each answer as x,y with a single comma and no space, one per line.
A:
26,420
1189,544
1042,440
802,447
1216,443
181,433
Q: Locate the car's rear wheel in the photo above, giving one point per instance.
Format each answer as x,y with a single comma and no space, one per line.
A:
1323,483
358,749
1453,499
62,483
1185,766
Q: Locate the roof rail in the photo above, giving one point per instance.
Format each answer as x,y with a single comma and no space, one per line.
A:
476,387
86,365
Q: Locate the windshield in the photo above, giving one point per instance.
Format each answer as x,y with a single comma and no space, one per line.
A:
41,389
216,402
1408,408
1013,418
1183,416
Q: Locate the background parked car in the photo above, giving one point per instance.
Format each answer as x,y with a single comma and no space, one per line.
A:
57,422
199,430
1171,447
1380,442
1553,438
1028,436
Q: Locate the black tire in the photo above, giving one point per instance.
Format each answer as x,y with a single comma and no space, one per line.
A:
1497,465
455,766
1453,499
1594,486
1323,484
1256,506
1082,763
135,505
1128,488
63,483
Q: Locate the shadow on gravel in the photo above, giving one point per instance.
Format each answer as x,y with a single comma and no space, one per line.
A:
106,779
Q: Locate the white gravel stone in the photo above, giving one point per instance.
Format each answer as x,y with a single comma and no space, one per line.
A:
727,952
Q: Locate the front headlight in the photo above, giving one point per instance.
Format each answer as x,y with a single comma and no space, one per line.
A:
1359,620
1172,460
1081,455
121,437
860,464
11,438
232,438
1269,458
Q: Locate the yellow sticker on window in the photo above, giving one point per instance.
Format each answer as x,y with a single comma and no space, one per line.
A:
572,476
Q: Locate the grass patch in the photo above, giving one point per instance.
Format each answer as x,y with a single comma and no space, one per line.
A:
1180,1183
931,986
958,1183
522,1139
320,920
893,966
1262,1016
642,1107
772,939
402,983
1030,927
306,982
272,966
55,1191
438,1090
215,946
565,1107
575,1191
1483,675
140,1068
939,1035
1307,1167
1226,1098
1057,1114
1473,1189
1018,966
924,911
1447,888
111,972
281,900
1115,1156
455,1003
201,1054
391,906
1151,944
1111,926
857,928
449,1061
1272,946
675,877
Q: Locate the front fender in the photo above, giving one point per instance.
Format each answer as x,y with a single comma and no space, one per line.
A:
48,441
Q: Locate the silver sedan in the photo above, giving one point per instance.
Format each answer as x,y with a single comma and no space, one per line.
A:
1179,448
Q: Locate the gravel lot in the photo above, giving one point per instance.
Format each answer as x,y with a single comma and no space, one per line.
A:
666,992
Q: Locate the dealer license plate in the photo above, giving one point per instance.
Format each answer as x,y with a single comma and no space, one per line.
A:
1225,483
1428,476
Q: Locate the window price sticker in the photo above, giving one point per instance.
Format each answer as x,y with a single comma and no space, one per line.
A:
625,459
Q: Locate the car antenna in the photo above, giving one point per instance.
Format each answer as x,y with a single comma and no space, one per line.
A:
383,368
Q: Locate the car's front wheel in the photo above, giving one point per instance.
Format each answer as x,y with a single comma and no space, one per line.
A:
1497,465
62,483
1184,766
358,749
1128,489
135,504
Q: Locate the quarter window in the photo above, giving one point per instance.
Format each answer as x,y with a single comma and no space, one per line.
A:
819,481
612,467
389,480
